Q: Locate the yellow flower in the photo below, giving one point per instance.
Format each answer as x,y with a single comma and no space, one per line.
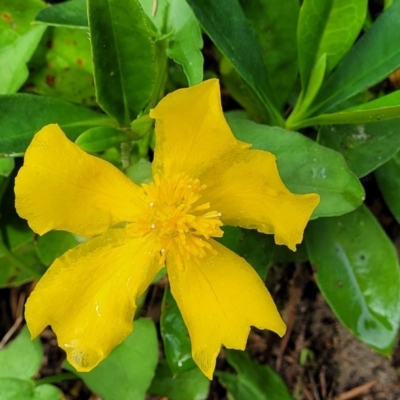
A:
203,178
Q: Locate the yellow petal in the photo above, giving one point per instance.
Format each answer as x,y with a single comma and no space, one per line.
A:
88,295
62,187
220,297
191,131
250,193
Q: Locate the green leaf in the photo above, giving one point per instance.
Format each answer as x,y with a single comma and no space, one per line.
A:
67,69
69,14
226,24
327,26
20,389
16,18
366,146
19,261
100,138
22,115
141,126
373,58
255,247
177,344
176,23
358,273
313,19
274,23
284,255
18,41
53,245
241,91
140,172
304,100
47,392
16,389
123,56
190,385
388,178
253,381
13,59
22,357
7,165
305,166
127,372
384,108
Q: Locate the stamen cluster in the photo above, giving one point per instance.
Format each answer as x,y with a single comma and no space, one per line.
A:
178,219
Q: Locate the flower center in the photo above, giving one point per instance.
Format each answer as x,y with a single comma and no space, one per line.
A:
178,219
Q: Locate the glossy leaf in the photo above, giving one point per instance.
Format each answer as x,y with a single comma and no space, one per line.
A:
54,244
127,372
384,108
68,71
357,271
365,146
308,95
226,24
312,21
274,23
123,57
305,166
388,178
70,14
189,385
22,357
100,138
255,247
372,59
327,27
253,381
177,344
38,111
175,22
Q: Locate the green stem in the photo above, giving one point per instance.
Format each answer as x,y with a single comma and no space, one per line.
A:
18,262
66,376
126,148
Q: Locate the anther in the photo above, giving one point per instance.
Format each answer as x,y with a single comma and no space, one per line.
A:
152,226
151,204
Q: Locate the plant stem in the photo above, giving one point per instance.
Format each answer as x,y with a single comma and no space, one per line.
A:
66,376
125,154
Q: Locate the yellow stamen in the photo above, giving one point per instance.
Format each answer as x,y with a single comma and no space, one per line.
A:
177,219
